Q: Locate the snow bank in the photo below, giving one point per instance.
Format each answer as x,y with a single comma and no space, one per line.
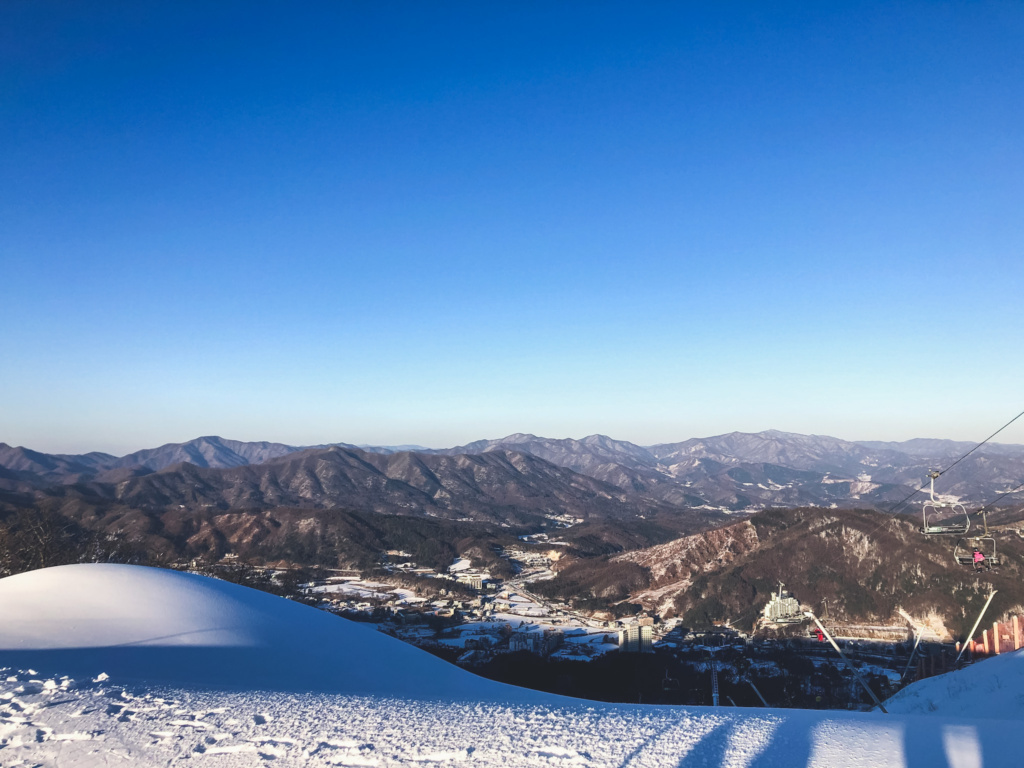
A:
993,688
156,625
57,724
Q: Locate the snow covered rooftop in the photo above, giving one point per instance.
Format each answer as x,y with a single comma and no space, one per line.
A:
203,670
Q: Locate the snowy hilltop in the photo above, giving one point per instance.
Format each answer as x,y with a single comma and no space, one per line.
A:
105,664
161,626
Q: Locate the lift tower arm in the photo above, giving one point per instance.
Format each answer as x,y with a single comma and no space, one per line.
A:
842,655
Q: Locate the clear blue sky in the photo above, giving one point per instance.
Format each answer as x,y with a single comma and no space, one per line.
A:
435,222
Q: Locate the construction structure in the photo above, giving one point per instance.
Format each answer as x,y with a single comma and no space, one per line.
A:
783,608
1003,637
639,637
541,643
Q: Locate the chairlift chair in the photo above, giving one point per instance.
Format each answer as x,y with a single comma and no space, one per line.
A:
964,552
941,519
985,543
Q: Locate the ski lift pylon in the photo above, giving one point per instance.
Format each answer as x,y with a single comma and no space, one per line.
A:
937,517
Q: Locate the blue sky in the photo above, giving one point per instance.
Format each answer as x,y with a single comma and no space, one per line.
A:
435,222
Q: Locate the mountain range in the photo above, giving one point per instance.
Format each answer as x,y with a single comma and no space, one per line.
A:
701,529
749,471
735,472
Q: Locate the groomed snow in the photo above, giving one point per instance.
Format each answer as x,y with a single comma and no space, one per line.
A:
50,723
383,703
993,688
163,626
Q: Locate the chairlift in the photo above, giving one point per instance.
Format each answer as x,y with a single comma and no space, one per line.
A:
941,519
984,543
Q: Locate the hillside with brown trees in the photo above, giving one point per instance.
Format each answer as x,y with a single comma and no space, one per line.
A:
854,565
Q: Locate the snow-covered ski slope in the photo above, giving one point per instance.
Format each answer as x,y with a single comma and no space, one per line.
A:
155,625
990,689
197,671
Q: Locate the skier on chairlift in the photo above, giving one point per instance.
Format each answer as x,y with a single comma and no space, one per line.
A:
979,560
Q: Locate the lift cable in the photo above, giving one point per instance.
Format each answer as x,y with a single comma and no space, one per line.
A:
944,471
998,499
982,443
890,512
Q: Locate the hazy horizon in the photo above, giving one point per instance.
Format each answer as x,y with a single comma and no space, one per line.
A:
122,451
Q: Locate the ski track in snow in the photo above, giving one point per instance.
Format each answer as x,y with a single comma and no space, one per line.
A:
64,724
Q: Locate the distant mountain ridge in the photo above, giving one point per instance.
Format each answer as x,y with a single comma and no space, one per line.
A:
749,471
497,486
731,472
52,466
929,448
212,452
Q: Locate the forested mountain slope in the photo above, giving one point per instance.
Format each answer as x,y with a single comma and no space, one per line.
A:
863,564
733,472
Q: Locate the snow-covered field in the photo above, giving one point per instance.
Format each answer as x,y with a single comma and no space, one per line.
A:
300,687
573,637
368,590
460,564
